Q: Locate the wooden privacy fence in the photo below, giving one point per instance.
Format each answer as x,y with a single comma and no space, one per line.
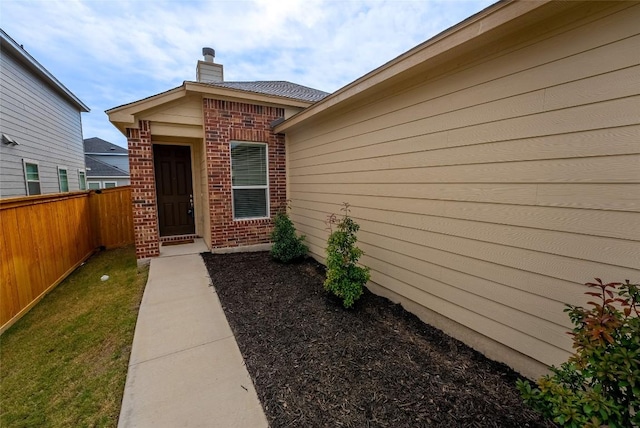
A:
44,238
112,217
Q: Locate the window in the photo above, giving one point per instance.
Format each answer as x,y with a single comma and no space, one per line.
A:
249,180
32,178
63,179
95,185
82,179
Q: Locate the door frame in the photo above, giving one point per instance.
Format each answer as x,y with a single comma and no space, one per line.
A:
195,183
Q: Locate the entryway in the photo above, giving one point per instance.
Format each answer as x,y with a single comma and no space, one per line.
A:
174,189
197,246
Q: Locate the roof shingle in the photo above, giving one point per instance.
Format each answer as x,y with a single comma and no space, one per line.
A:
98,145
278,88
97,168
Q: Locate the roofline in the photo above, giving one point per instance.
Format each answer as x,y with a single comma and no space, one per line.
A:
246,94
503,11
17,50
187,86
149,99
124,115
107,176
106,153
113,167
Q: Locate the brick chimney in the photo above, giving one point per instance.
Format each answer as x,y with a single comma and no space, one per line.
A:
207,70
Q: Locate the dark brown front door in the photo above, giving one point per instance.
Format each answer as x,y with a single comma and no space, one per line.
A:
174,189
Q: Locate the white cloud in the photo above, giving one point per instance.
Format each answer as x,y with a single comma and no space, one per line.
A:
113,52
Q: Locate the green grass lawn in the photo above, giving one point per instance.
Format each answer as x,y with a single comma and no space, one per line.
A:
65,362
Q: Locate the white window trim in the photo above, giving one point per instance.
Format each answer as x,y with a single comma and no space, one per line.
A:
233,208
66,171
86,186
102,184
26,179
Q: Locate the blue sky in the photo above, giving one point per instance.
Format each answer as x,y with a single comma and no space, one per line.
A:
111,52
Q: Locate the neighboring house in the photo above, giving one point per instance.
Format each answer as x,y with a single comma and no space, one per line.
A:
41,150
493,170
107,164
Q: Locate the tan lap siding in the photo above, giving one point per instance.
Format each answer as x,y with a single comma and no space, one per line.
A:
489,195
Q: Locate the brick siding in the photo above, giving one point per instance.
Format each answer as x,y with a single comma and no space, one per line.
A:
226,121
143,191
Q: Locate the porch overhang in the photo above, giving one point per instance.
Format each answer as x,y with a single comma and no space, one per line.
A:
128,115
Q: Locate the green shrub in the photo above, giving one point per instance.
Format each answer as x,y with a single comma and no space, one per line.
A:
287,246
345,278
600,383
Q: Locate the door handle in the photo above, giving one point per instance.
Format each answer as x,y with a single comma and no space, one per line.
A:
190,211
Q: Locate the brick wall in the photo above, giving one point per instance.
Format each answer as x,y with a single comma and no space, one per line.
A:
143,191
226,121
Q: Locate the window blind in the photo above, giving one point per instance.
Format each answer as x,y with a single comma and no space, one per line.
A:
249,180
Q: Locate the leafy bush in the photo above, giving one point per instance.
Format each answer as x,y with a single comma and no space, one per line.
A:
287,246
345,278
600,383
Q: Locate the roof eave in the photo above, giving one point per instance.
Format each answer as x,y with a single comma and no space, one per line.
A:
11,46
148,102
124,116
472,27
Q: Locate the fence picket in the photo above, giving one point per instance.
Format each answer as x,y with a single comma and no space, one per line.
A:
44,238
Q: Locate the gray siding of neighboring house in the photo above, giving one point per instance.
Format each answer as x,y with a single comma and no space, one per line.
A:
47,127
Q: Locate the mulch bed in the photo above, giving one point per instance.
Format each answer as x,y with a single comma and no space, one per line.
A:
315,364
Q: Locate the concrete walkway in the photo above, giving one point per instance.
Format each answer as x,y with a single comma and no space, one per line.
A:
186,369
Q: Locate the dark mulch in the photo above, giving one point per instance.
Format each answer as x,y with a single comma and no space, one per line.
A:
315,364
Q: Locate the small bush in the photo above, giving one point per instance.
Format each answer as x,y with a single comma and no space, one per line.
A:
345,278
287,246
600,384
